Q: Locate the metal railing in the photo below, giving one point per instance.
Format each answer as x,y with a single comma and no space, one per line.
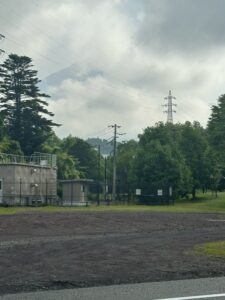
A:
37,159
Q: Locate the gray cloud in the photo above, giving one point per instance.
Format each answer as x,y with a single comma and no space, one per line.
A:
108,61
180,25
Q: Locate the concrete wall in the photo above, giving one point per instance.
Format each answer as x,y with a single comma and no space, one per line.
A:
25,184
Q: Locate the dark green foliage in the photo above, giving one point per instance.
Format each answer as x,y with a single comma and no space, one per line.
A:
216,137
23,107
194,147
216,129
160,163
67,164
84,153
10,146
175,155
216,125
126,153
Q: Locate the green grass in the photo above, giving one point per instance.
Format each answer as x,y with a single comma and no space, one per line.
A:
213,249
205,203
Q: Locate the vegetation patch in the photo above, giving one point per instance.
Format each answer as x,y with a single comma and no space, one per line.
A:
215,249
206,203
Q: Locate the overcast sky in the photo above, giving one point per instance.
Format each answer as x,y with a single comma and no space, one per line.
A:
126,56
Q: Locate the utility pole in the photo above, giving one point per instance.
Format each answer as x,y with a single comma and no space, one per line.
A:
99,159
115,126
169,107
105,180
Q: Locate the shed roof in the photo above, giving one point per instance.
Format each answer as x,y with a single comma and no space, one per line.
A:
77,181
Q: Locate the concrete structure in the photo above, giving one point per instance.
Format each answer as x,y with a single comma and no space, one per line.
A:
28,180
75,191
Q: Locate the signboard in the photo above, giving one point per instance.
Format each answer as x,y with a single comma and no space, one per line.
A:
159,192
170,191
138,192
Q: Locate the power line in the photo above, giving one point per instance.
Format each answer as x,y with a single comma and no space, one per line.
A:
103,135
109,85
100,133
30,23
106,84
21,44
37,28
12,39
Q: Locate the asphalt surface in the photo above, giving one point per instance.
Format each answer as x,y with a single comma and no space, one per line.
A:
209,288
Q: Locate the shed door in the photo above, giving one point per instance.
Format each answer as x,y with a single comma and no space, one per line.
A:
1,198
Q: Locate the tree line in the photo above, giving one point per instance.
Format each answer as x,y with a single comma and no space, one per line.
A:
186,157
170,155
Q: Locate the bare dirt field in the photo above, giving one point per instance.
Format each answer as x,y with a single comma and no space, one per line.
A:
60,250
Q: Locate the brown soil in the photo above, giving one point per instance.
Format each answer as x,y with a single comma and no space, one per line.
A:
59,250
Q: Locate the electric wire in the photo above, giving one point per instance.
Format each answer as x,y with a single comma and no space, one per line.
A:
106,84
111,85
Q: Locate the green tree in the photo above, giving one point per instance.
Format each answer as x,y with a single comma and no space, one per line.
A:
10,146
160,166
216,128
126,153
216,137
23,106
84,153
214,175
194,146
67,165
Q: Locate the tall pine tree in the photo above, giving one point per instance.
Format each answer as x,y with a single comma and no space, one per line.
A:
22,105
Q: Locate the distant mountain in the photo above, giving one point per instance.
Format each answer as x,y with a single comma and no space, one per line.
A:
73,72
106,148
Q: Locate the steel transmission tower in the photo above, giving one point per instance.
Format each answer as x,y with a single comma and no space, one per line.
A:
170,107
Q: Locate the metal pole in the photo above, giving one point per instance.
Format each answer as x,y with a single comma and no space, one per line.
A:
46,192
71,193
99,157
115,126
20,192
114,165
105,190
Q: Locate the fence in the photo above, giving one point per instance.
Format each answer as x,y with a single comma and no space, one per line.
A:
71,193
155,200
46,192
28,193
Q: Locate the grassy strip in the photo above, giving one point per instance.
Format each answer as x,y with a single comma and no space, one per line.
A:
214,249
205,203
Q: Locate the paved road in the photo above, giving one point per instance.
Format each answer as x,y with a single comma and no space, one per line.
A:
210,288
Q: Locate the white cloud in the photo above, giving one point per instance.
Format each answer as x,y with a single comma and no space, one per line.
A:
141,50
